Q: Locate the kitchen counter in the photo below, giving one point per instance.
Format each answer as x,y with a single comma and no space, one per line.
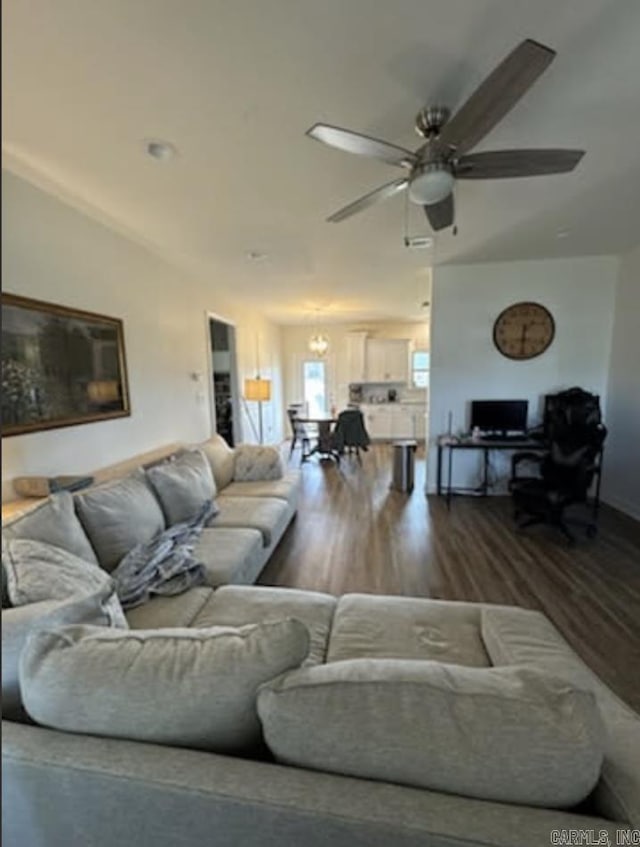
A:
393,403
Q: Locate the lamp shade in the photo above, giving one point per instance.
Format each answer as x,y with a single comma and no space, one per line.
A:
257,389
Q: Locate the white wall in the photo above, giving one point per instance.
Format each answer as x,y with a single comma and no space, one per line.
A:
295,348
54,253
621,472
466,366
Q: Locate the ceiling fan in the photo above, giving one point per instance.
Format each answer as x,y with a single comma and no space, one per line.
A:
444,157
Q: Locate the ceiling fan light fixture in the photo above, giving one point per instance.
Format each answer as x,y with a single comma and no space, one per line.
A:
432,184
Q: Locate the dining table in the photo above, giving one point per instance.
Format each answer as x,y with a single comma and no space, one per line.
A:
323,447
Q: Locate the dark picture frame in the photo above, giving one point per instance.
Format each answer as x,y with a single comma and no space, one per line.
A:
60,366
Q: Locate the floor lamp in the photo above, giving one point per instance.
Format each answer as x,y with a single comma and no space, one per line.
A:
259,391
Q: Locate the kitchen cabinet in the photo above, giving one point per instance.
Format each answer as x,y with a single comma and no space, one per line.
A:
403,425
388,422
379,422
387,360
356,357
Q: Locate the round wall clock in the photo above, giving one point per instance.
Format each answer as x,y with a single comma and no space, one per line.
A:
523,330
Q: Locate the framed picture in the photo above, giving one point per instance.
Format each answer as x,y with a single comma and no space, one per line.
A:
60,366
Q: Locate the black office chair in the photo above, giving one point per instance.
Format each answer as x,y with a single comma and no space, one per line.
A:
566,475
569,409
564,411
350,434
301,434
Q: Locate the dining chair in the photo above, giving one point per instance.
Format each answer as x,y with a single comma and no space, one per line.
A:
350,434
301,434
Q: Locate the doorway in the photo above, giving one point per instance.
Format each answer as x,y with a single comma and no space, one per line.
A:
314,385
222,337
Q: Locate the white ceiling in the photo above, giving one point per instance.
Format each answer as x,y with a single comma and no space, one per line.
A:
234,84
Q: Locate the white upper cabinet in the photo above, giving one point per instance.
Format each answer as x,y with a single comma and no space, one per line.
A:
387,360
356,357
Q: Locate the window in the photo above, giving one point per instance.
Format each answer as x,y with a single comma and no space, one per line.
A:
315,387
420,369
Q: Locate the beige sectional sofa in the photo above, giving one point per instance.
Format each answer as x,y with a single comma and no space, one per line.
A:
396,721
256,498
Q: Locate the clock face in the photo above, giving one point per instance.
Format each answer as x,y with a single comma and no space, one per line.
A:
523,331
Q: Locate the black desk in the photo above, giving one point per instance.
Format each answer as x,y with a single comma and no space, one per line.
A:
451,443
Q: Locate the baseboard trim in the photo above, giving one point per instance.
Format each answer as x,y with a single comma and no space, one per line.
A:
622,505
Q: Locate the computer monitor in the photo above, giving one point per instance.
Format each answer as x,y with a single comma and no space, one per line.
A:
499,415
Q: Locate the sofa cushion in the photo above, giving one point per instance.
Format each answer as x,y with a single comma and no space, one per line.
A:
234,555
37,571
505,734
20,622
54,522
182,687
287,488
175,610
528,639
267,514
118,515
255,462
221,458
183,486
366,626
237,605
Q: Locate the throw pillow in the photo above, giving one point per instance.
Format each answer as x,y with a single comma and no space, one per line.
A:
183,486
221,458
511,735
37,571
257,463
118,515
54,522
19,623
182,687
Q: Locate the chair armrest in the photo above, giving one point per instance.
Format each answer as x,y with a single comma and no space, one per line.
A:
253,463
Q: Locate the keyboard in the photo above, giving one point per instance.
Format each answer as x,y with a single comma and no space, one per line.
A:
490,436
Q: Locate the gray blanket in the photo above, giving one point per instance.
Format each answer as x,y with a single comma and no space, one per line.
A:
164,565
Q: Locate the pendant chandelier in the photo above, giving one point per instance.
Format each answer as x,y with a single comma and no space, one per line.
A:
318,341
318,344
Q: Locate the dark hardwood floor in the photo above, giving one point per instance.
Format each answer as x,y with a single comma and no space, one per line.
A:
354,534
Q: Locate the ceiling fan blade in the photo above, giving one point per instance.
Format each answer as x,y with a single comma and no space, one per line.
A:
362,145
440,215
498,164
496,96
381,193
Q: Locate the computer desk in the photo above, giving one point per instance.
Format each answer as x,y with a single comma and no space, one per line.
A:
453,443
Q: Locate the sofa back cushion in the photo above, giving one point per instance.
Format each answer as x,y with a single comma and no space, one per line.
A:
54,522
504,734
19,623
183,486
222,459
182,687
118,515
37,572
257,462
527,638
